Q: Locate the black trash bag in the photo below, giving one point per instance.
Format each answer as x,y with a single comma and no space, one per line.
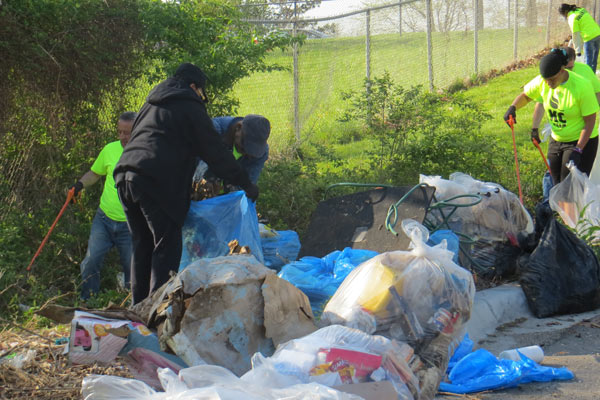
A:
562,275
543,214
491,259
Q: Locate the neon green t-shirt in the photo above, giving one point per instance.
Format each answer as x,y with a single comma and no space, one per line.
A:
566,105
104,165
585,71
236,154
581,21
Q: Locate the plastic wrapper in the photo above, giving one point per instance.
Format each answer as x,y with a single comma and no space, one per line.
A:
481,370
279,248
201,382
212,223
419,296
577,200
337,355
499,211
319,278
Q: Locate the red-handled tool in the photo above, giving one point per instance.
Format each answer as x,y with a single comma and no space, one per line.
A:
537,144
511,123
70,196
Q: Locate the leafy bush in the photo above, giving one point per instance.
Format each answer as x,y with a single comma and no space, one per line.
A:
417,132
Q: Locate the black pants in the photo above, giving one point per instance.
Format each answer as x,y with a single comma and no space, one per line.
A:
559,153
156,241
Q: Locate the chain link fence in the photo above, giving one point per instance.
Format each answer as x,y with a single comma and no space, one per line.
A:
434,43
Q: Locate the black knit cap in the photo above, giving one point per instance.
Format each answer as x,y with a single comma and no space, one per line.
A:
189,73
551,63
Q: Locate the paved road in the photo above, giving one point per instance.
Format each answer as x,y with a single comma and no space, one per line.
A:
576,347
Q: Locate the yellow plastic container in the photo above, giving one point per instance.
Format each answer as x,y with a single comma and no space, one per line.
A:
376,295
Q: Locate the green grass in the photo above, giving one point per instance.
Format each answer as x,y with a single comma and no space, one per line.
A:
496,96
331,66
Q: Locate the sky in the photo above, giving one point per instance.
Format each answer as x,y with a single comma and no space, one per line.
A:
330,8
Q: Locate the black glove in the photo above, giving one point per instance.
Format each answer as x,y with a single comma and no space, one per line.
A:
575,156
535,135
252,192
512,111
78,186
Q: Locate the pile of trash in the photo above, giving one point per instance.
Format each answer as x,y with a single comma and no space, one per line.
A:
353,324
392,323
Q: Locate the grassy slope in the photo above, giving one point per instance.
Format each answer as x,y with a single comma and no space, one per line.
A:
496,96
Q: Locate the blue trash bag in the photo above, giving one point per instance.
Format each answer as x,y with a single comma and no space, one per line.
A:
319,278
481,370
452,241
280,249
464,347
212,223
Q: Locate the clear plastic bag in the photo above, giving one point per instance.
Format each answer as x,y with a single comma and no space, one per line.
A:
577,200
418,296
407,293
336,355
206,382
499,211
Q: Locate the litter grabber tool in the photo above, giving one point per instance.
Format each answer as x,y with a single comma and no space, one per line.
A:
511,123
537,144
70,197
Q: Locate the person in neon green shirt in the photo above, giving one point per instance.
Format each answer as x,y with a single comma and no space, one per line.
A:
579,68
571,107
109,227
586,32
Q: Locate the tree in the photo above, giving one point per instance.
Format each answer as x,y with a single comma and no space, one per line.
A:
531,14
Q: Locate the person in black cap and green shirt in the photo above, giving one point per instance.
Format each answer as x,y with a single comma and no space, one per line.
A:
571,107
246,137
154,174
586,32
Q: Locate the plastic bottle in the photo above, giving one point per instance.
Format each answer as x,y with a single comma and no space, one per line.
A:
536,353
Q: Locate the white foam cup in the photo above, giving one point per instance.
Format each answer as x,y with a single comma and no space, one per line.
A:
536,353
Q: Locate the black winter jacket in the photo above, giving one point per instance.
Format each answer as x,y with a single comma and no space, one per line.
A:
171,130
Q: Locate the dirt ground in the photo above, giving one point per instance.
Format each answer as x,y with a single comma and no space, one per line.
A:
49,376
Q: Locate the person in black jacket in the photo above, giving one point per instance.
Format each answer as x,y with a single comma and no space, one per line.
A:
154,174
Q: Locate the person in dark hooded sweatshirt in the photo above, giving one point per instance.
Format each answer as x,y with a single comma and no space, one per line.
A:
154,174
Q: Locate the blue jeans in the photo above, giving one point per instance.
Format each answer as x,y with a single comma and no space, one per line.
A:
547,184
591,49
104,235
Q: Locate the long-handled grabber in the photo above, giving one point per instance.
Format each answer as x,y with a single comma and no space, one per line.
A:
537,144
511,123
70,196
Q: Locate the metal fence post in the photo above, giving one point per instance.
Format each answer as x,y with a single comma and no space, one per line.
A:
548,22
429,48
516,35
476,34
400,19
296,77
368,45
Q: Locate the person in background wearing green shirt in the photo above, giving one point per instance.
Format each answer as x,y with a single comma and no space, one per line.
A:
109,227
586,32
579,68
571,107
